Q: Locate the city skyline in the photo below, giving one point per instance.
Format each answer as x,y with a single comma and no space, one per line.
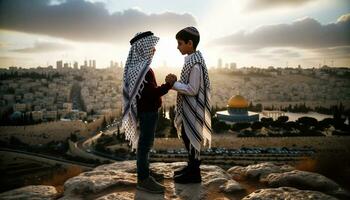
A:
264,33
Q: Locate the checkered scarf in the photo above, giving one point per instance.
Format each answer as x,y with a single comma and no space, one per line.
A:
136,67
193,112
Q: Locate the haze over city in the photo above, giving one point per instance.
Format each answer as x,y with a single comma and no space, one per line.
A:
259,33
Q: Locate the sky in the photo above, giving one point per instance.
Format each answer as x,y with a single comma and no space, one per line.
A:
260,33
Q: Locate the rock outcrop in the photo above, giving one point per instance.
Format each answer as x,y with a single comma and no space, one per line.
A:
258,171
304,180
36,192
261,181
283,193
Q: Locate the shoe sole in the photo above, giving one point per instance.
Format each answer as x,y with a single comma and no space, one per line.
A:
150,191
179,173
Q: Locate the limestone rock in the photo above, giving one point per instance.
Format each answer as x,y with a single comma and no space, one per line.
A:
35,192
306,181
118,181
260,170
231,186
98,180
123,166
121,176
71,197
190,191
283,193
117,195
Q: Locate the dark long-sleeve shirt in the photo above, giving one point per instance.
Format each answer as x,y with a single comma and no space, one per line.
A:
151,94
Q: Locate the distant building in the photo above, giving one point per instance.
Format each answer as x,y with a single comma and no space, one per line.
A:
67,106
59,64
237,111
75,65
20,107
10,98
50,115
233,66
219,63
37,115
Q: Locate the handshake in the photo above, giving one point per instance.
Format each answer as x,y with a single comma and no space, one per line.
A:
171,79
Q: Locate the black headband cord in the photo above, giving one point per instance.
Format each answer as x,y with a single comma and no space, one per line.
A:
142,35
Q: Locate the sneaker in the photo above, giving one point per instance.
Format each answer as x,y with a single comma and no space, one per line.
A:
192,175
180,171
157,176
150,185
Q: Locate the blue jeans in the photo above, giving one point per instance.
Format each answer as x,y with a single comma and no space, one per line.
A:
148,124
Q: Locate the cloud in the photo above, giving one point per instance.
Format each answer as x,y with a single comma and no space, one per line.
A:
6,58
334,53
258,5
6,61
44,47
79,20
285,53
304,33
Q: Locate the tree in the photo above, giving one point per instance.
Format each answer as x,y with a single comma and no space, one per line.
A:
307,121
173,131
73,137
325,123
240,125
163,122
258,107
282,119
256,125
251,106
338,112
219,126
172,113
104,123
266,121
31,120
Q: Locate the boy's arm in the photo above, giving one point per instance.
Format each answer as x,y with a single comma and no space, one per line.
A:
192,88
152,89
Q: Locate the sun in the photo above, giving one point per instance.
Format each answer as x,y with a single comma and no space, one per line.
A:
167,53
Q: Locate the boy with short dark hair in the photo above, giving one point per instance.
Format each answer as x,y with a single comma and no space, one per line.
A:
193,119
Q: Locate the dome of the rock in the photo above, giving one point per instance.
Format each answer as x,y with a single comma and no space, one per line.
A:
237,102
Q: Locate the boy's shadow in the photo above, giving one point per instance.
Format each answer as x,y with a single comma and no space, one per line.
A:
189,191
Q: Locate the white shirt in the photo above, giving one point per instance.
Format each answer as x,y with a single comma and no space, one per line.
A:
190,89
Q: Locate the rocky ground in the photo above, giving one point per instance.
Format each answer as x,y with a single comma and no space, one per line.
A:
253,182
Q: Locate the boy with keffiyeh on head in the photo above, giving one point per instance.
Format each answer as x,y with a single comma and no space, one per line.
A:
193,118
141,100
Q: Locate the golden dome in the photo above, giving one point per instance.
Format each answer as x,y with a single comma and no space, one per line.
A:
237,102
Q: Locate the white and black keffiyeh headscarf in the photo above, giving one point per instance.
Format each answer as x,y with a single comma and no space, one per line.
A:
193,112
136,67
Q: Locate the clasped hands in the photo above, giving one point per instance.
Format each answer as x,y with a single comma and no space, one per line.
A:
171,79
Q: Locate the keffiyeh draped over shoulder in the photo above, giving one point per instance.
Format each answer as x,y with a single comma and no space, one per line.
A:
193,112
136,67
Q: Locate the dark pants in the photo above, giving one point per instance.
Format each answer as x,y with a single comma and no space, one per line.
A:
192,161
148,124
